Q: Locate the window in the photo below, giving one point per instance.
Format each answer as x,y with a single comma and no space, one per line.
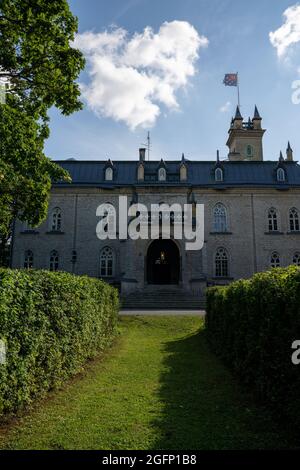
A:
141,172
54,261
183,173
74,256
218,174
28,259
106,262
280,174
220,218
56,220
221,263
108,174
275,260
27,227
296,259
294,220
162,175
108,222
272,220
249,151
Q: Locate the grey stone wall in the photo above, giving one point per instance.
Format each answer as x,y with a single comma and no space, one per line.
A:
248,243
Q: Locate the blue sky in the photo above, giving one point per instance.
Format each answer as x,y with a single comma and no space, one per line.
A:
238,35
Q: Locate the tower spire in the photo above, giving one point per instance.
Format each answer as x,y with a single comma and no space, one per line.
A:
289,153
238,114
256,119
256,113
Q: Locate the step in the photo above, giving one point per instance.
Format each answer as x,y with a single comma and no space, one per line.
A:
164,306
164,300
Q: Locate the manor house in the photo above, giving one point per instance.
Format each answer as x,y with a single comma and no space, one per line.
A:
251,218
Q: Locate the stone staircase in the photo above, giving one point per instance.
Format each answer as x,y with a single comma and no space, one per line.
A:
162,299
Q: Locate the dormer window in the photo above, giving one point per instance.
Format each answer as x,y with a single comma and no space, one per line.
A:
162,174
141,172
108,174
183,173
218,174
280,175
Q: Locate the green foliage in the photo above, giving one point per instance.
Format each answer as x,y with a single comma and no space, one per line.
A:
37,57
41,67
159,387
51,323
252,325
25,172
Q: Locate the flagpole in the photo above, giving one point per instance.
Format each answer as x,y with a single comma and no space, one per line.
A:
238,89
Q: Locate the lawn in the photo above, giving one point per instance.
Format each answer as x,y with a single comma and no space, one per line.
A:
158,387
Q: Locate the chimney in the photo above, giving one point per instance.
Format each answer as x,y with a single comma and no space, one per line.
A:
142,153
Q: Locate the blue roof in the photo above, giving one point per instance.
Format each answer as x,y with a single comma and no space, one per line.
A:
200,173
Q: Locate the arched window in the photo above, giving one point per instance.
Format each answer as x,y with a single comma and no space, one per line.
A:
221,263
162,175
294,220
56,219
220,218
296,259
54,261
272,220
280,174
183,172
106,262
27,227
218,174
275,260
108,174
249,151
28,259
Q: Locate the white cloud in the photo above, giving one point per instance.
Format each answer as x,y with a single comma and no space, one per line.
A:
132,77
289,33
226,107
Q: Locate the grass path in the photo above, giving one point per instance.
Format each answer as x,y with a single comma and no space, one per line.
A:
159,387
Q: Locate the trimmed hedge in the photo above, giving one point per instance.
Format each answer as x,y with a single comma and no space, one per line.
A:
51,323
252,324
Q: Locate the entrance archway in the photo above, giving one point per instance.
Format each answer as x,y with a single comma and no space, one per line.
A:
163,262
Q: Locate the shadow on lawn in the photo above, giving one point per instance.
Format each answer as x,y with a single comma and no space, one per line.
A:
203,406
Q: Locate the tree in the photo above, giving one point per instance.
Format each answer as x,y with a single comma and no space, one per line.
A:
36,55
41,66
25,173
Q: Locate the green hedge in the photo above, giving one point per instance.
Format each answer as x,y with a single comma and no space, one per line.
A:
51,323
252,324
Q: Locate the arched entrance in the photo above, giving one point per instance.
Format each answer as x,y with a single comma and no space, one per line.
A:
163,262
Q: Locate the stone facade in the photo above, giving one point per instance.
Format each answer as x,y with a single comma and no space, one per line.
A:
242,234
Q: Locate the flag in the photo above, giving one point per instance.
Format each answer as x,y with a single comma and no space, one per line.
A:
231,79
